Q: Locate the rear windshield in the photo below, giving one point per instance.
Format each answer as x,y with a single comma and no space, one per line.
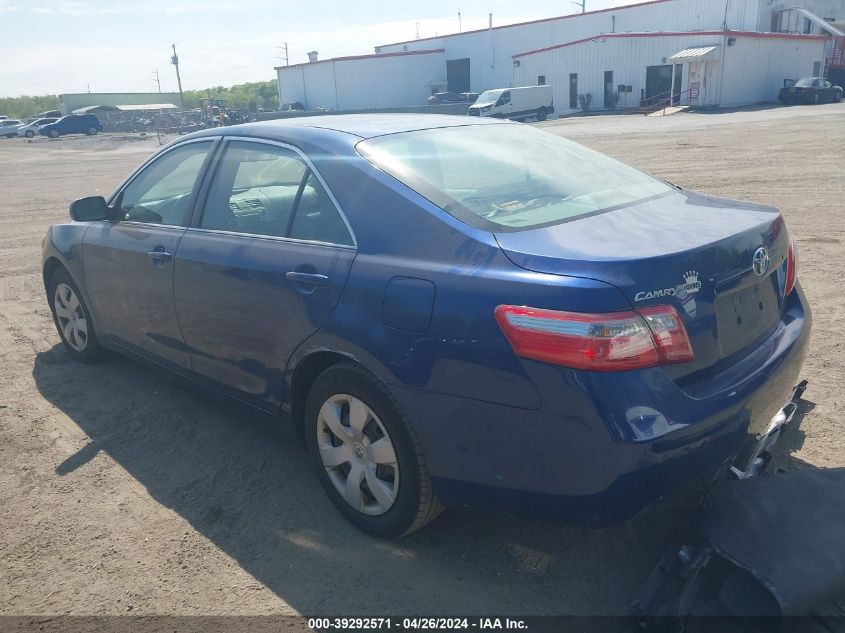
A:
805,82
508,177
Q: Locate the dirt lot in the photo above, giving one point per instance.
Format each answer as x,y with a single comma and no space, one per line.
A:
125,492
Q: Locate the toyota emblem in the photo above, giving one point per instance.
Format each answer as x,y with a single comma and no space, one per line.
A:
760,261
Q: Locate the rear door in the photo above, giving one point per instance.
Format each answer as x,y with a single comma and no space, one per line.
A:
261,267
129,264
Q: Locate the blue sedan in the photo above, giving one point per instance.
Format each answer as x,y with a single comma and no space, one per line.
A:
450,311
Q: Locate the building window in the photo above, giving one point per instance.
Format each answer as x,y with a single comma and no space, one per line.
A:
808,26
573,90
817,69
541,80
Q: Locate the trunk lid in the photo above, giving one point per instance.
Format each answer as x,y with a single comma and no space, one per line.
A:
688,250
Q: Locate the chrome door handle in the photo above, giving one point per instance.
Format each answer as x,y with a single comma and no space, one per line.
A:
160,256
311,279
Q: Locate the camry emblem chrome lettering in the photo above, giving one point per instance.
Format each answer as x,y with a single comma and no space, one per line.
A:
760,261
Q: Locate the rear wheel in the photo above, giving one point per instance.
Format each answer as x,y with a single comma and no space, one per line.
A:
838,97
368,458
29,134
54,134
816,99
72,318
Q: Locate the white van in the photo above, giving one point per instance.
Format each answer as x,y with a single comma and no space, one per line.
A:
515,103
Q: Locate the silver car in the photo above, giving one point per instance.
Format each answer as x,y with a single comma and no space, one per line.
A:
9,127
31,129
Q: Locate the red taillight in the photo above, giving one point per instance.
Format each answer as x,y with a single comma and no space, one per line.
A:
612,341
791,265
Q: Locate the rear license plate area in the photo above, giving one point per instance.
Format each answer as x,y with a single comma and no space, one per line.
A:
746,314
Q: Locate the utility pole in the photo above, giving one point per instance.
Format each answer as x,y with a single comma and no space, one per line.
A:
175,61
284,48
157,79
581,4
460,30
418,29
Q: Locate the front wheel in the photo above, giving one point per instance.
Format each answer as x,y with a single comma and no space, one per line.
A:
838,97
368,458
92,131
29,134
816,99
542,114
72,318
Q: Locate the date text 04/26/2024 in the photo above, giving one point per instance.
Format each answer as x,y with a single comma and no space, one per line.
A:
416,624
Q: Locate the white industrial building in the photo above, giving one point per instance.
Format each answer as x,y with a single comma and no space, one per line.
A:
707,68
752,46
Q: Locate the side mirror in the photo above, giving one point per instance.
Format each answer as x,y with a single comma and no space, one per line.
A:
89,209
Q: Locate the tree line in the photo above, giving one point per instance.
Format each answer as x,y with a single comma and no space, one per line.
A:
240,96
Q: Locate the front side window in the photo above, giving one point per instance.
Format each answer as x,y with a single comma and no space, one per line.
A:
269,190
505,99
508,177
162,193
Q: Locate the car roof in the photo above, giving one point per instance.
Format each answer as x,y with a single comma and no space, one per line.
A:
361,125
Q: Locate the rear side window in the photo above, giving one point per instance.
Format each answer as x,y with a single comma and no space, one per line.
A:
162,193
268,190
508,177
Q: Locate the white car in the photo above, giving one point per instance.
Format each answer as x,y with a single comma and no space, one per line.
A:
31,129
9,127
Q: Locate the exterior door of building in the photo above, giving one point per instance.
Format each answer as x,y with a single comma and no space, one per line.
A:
658,83
679,81
457,75
608,88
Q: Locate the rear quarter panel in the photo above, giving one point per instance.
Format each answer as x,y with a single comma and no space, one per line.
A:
462,351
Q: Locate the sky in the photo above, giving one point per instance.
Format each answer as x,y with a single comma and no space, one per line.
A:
64,46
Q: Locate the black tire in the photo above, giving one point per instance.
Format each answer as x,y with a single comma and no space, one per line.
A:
93,351
415,503
91,131
54,134
542,114
29,134
838,97
816,99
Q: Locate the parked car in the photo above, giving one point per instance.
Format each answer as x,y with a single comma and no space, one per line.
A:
9,127
810,90
72,124
515,103
449,310
439,98
31,129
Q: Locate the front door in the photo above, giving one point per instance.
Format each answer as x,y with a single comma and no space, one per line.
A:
260,270
609,97
129,263
658,83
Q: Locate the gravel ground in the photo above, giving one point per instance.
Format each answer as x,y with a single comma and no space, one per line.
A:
123,491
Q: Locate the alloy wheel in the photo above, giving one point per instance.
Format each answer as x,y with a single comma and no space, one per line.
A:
358,454
71,317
